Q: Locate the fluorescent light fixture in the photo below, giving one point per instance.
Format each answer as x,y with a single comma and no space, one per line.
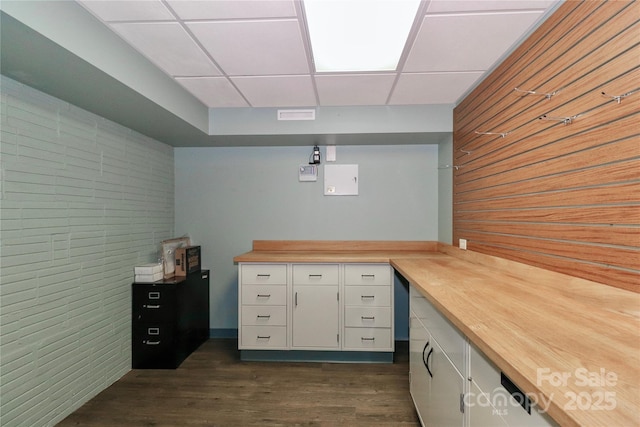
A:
359,35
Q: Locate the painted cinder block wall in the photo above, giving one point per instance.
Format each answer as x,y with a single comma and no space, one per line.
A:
82,201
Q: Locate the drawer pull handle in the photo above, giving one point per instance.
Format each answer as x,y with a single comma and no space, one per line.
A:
264,275
154,307
263,337
153,331
315,276
368,276
367,296
264,295
152,342
264,316
368,317
154,295
367,339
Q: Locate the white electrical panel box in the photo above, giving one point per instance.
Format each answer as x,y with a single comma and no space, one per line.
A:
341,180
308,173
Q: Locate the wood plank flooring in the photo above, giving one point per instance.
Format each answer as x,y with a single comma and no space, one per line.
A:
214,388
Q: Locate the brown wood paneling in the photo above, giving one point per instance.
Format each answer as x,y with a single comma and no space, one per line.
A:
560,188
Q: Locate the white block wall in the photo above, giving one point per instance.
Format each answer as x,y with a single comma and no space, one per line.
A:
82,201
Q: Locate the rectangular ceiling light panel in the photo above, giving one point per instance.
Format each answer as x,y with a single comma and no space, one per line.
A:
358,35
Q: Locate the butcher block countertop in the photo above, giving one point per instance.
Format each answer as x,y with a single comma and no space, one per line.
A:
565,341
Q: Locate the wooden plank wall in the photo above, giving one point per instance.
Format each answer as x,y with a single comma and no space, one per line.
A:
552,178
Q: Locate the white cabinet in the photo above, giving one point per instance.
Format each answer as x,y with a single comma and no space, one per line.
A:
437,385
490,400
316,316
263,306
316,306
452,383
368,309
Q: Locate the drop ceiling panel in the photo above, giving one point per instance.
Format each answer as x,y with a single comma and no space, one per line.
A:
432,88
439,6
277,91
169,46
252,48
466,42
214,92
125,10
233,9
355,89
255,53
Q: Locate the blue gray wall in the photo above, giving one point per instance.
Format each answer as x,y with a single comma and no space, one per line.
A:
227,197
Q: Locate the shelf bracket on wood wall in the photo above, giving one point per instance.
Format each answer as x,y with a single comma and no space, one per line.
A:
449,167
502,134
618,98
565,120
533,92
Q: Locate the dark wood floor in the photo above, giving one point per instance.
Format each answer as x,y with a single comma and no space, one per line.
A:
214,388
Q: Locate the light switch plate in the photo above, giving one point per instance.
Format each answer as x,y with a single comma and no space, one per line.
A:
462,243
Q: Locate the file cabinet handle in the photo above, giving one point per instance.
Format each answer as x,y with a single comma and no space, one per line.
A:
152,342
315,276
264,316
367,338
368,317
368,276
367,296
264,295
264,275
264,337
153,307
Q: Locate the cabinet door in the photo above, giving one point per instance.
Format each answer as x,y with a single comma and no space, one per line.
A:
419,377
447,388
315,317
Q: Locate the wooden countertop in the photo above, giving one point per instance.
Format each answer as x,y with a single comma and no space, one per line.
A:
336,251
536,325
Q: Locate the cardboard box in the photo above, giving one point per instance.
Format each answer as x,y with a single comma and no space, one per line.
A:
187,260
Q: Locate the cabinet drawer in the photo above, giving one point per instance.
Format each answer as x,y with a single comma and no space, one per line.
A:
368,317
264,315
378,296
263,274
368,339
367,274
315,274
253,337
264,295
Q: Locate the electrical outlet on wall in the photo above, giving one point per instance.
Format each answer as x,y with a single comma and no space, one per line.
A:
462,243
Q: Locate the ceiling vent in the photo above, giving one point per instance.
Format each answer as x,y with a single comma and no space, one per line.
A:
297,114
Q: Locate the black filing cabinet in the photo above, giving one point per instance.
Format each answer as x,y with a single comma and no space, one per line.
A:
170,320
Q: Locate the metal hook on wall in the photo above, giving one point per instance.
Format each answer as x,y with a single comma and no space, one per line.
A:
467,152
533,92
565,120
449,167
618,98
502,134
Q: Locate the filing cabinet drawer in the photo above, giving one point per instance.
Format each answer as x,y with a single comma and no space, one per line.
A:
264,315
315,274
367,338
367,274
264,295
256,337
263,274
369,317
153,303
378,296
